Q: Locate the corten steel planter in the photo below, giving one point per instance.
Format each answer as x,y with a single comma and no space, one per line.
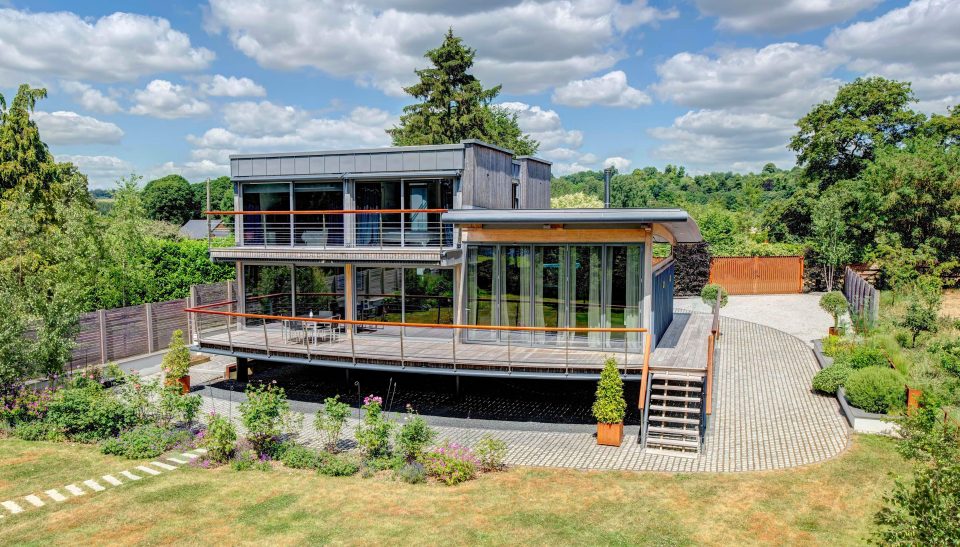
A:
184,383
833,331
610,434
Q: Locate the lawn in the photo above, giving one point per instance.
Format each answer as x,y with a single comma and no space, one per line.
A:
832,502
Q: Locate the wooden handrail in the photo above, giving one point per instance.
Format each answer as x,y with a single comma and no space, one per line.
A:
711,341
324,212
423,325
644,375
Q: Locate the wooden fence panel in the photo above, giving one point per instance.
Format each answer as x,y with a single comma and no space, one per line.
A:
86,349
126,334
168,317
758,274
863,297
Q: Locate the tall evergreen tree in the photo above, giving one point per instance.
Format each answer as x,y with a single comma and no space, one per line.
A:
453,105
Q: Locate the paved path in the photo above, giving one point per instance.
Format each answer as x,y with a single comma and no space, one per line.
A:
765,417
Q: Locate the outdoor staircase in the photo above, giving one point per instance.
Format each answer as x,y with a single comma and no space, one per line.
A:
674,417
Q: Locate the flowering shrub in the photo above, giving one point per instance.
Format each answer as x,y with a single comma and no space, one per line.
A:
219,438
248,459
24,405
414,436
373,433
451,463
89,413
412,473
491,453
266,415
331,420
37,430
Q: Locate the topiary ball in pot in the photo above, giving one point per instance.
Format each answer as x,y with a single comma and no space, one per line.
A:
709,295
876,389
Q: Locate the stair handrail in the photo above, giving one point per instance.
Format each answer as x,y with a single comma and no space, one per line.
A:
711,348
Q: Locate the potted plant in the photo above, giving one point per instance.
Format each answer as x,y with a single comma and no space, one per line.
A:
176,362
836,305
709,295
609,408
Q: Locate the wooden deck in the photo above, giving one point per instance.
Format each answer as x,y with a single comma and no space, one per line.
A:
433,350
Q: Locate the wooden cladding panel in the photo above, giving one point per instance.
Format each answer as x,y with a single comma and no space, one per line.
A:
487,178
758,274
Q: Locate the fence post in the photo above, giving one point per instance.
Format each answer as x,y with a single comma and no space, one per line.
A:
102,319
148,308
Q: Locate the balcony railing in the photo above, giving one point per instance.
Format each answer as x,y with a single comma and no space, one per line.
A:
439,348
368,228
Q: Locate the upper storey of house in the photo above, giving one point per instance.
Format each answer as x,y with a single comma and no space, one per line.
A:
372,204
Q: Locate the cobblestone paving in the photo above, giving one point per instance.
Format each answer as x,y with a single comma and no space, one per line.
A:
765,417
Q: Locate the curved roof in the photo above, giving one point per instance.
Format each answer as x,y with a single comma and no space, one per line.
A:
677,221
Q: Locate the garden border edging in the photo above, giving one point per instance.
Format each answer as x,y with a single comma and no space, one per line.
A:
859,420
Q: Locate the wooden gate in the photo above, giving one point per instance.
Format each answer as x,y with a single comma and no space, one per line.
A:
758,274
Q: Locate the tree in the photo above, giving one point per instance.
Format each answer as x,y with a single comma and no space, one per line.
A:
836,305
221,195
578,200
170,199
837,139
609,407
126,274
829,231
923,308
454,105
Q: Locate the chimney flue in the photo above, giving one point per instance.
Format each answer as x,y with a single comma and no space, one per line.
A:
607,172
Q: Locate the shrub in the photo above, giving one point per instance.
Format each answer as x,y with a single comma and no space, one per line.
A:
301,457
709,295
948,355
373,432
145,441
266,416
866,356
451,463
219,438
412,473
249,459
610,406
836,346
89,413
875,389
176,362
835,304
830,379
177,408
331,421
339,465
37,430
24,405
903,339
414,436
491,453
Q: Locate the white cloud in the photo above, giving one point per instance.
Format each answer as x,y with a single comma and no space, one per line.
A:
611,89
557,143
163,99
919,43
223,86
71,128
192,170
781,16
618,163
90,98
117,47
263,118
527,45
744,103
101,171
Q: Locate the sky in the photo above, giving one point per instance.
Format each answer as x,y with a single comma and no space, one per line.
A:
155,88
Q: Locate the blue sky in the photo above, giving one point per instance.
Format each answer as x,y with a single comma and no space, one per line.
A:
175,87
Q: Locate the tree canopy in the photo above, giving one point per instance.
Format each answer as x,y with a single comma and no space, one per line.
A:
454,106
170,199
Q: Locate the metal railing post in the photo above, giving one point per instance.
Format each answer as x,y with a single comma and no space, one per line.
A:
566,356
263,229
266,339
403,361
229,335
509,356
455,333
353,349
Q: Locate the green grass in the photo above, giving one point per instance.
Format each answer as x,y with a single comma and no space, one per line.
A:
829,503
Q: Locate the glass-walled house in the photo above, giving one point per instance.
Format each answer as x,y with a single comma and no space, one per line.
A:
442,259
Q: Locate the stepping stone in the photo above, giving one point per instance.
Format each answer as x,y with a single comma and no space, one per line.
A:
94,485
34,500
112,480
177,460
55,495
130,475
12,506
148,470
163,466
189,455
74,489
200,450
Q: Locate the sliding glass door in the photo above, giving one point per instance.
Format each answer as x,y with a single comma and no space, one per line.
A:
623,270
586,263
481,294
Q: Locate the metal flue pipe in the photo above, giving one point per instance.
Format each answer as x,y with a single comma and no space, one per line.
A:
607,173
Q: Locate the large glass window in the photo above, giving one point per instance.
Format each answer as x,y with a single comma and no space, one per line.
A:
319,291
623,275
548,297
318,230
586,292
267,290
428,298
515,285
266,229
376,229
379,296
480,289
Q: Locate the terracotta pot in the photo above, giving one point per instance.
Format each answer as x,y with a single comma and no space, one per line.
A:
610,434
184,383
833,331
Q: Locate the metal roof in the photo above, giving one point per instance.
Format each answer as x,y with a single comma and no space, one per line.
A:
677,221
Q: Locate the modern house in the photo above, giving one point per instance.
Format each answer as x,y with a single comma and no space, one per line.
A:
443,259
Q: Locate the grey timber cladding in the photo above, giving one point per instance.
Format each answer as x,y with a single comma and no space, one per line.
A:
487,178
400,160
535,184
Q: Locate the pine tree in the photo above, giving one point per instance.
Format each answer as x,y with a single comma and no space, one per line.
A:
455,106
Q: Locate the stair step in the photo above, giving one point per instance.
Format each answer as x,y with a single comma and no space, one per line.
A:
680,409
670,387
673,442
678,377
674,419
695,433
674,398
